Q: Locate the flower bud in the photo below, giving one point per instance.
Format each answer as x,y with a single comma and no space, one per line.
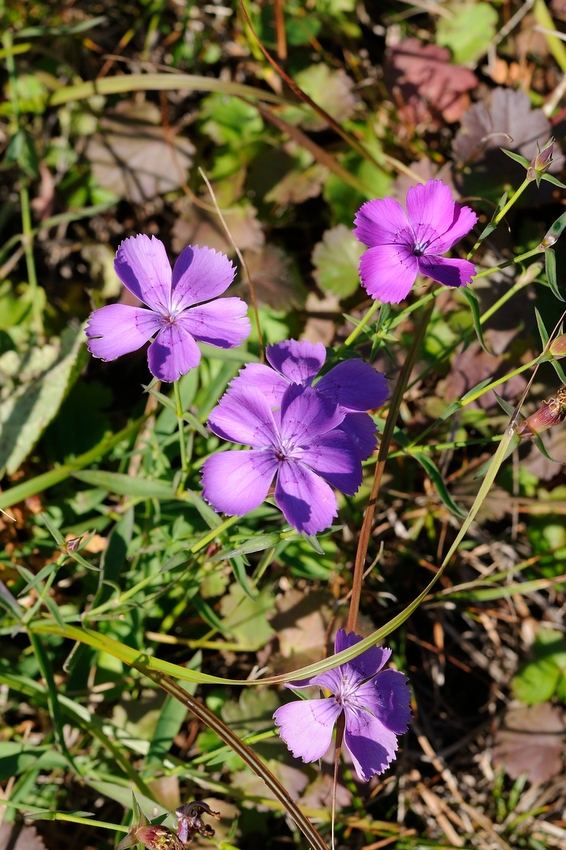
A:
541,162
552,413
158,838
558,346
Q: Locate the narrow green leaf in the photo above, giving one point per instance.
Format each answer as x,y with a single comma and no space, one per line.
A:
550,264
544,335
434,474
126,485
475,308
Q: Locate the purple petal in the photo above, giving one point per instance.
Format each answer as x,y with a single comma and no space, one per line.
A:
172,353
371,745
199,275
382,222
307,502
270,382
237,482
306,726
143,267
244,416
355,385
223,323
394,700
120,329
299,362
369,662
334,458
388,272
305,413
447,271
435,218
360,428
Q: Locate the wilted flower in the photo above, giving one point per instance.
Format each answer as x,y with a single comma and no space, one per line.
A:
152,837
551,413
176,316
376,706
301,447
190,822
353,385
403,244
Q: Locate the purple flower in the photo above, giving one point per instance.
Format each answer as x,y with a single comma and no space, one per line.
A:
176,317
403,244
375,702
353,385
300,446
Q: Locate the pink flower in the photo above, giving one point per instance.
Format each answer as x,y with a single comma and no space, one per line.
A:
174,314
403,244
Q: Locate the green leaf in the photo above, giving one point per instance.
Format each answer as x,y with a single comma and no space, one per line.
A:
550,263
126,485
536,682
336,260
27,411
435,476
475,307
467,29
246,618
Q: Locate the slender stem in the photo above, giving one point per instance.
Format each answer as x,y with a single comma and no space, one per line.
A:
361,325
27,229
246,754
396,400
182,438
503,211
519,259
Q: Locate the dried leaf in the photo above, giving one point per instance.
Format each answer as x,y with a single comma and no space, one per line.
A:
276,279
133,156
198,227
425,85
532,742
26,839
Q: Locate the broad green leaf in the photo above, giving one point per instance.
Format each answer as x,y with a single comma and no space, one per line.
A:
26,412
467,29
126,485
336,260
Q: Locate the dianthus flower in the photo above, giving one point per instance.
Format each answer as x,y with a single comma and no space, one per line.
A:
403,244
353,385
376,706
176,316
300,446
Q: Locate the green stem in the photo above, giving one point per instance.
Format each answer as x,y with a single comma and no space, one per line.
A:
182,438
519,259
503,211
359,327
27,229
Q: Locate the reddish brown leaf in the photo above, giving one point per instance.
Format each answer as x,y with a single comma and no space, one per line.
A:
532,742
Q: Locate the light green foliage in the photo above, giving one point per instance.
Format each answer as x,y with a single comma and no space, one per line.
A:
336,261
544,677
467,29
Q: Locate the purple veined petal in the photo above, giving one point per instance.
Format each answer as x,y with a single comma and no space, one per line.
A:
448,271
369,662
436,218
388,272
334,458
199,275
306,726
337,681
307,502
299,362
118,329
237,482
355,385
306,413
360,428
270,382
382,222
371,745
172,353
244,416
143,267
223,322
394,694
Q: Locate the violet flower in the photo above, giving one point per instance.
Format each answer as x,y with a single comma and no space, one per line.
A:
176,316
403,244
376,706
300,446
353,384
